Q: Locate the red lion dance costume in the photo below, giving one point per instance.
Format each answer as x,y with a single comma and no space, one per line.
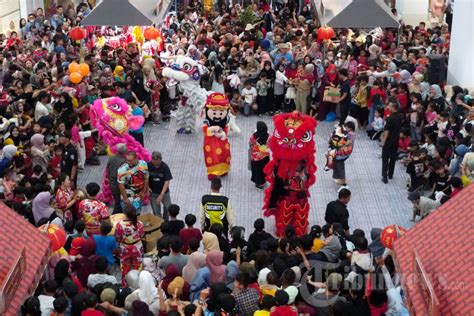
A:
112,117
291,171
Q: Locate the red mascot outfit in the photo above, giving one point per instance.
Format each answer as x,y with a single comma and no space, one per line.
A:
291,171
215,127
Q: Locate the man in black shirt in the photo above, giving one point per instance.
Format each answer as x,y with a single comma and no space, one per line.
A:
345,99
390,138
159,182
336,211
69,160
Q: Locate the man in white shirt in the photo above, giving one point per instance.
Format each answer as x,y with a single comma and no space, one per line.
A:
47,299
101,276
250,96
41,107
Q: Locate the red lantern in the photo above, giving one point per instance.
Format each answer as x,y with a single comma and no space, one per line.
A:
391,233
326,33
56,234
77,33
151,33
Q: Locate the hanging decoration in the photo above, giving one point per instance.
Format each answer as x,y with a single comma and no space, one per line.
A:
151,33
326,33
391,233
56,234
77,33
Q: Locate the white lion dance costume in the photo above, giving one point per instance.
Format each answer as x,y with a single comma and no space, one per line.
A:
187,72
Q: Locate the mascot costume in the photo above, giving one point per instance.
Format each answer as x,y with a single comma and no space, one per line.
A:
215,128
291,171
112,117
187,72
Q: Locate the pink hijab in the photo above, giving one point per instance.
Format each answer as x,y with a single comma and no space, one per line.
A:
214,260
196,261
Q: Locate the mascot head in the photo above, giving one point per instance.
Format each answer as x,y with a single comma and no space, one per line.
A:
292,138
183,69
217,109
114,115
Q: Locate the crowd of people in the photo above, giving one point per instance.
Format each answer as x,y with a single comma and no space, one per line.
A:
267,59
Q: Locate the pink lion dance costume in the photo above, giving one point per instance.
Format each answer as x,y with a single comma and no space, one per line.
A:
291,171
112,117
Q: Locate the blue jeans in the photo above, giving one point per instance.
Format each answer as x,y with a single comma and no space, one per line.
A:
371,115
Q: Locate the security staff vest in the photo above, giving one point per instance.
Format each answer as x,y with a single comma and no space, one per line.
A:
215,210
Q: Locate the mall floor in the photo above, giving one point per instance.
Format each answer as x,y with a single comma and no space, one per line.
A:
373,204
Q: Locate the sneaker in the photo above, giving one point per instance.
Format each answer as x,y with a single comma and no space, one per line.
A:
385,180
188,131
260,187
326,168
180,131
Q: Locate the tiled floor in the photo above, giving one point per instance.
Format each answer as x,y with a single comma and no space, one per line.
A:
373,204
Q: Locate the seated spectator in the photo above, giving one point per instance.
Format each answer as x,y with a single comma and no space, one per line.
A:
101,276
189,232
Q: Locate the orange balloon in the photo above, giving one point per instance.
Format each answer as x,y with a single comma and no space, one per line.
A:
73,67
84,69
75,77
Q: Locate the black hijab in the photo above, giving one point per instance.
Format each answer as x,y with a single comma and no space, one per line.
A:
261,134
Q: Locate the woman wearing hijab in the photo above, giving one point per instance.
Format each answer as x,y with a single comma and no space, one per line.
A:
147,293
375,247
214,262
330,78
259,154
436,95
171,273
119,74
196,261
85,265
42,209
424,90
61,273
210,242
39,152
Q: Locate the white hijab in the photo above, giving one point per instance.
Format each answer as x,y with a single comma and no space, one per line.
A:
147,291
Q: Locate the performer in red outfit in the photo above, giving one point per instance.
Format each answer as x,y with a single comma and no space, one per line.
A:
291,171
216,145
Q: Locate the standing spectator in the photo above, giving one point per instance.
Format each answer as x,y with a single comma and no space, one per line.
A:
105,244
175,225
133,181
70,161
65,197
345,99
215,208
336,211
113,165
92,211
129,233
390,140
136,111
250,96
159,183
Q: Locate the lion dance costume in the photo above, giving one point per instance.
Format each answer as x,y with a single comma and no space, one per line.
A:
215,128
291,171
112,117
